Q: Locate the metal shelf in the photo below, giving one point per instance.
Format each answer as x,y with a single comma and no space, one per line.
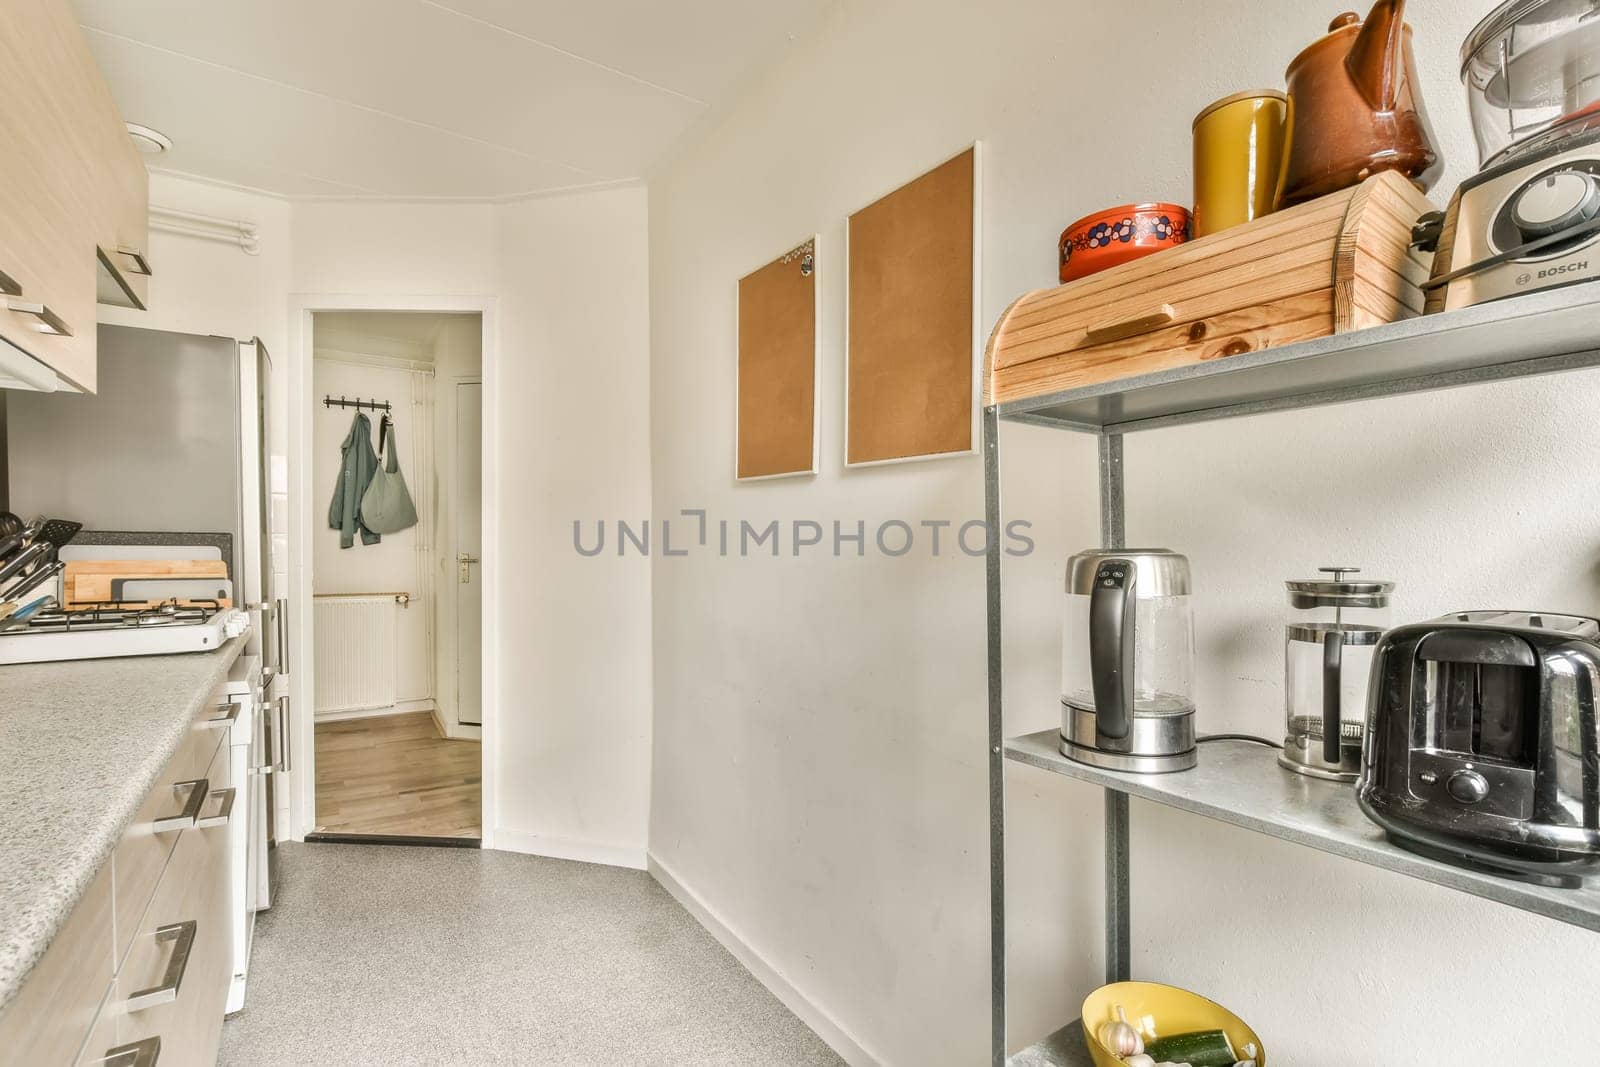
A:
1241,784
1541,333
1064,1048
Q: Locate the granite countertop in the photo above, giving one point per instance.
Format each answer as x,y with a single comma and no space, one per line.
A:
81,745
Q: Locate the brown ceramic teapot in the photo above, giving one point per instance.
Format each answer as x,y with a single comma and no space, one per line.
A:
1355,108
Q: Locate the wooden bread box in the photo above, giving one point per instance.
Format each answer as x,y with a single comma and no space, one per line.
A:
1342,262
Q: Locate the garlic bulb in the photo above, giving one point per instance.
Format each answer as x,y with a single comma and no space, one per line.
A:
1139,1059
1119,1038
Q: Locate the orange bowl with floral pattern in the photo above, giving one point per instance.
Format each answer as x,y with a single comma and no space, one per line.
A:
1120,235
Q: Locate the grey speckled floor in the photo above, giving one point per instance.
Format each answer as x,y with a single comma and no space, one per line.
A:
396,956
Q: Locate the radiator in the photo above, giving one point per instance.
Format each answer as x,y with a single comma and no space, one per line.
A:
357,646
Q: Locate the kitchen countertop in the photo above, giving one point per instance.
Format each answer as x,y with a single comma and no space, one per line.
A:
81,745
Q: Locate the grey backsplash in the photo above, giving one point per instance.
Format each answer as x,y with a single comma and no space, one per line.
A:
152,453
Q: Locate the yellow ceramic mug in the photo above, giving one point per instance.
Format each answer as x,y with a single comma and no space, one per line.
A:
1240,146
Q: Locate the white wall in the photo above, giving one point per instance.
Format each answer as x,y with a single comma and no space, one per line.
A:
207,287
574,410
569,276
818,774
572,756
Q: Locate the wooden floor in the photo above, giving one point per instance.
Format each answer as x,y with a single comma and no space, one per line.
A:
397,775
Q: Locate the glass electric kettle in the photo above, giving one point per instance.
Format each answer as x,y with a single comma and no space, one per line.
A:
1127,661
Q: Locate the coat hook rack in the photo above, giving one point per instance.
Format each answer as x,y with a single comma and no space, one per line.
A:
359,405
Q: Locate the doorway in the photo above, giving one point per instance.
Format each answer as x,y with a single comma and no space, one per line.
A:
396,621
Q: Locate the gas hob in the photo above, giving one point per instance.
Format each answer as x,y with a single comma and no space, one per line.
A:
109,630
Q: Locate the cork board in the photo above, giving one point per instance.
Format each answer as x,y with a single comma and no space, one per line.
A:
777,370
912,349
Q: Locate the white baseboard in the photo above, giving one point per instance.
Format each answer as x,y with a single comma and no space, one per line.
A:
804,1008
569,848
404,707
455,731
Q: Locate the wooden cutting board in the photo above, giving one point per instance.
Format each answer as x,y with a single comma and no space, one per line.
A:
89,581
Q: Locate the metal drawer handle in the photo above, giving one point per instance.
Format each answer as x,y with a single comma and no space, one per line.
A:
182,937
141,265
224,810
228,718
285,756
283,635
185,819
139,1054
9,285
49,321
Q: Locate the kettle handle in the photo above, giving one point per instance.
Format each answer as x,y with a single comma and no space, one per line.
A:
1376,61
1111,644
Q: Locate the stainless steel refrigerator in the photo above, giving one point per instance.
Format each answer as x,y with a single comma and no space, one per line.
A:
177,440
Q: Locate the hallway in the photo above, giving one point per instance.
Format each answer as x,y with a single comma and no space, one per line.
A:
396,775
402,956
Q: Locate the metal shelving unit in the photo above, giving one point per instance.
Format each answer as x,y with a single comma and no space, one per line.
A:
1541,333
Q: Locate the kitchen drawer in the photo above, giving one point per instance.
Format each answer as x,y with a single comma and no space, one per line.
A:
103,1035
52,1015
195,888
143,852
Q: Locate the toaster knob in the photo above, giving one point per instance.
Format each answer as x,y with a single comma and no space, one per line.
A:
1467,787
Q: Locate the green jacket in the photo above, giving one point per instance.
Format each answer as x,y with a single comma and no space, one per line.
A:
356,469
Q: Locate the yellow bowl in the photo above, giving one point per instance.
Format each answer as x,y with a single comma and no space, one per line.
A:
1157,1010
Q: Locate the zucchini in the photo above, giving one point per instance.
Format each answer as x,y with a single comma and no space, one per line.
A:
1203,1048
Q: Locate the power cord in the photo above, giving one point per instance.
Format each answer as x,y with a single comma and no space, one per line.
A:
1252,738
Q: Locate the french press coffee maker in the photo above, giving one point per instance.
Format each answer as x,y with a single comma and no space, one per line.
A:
1333,629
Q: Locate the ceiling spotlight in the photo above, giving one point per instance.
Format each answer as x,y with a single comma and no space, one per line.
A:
150,142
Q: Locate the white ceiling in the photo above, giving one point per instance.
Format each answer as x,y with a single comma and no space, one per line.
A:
426,98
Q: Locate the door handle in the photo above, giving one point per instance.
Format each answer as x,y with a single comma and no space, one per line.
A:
185,819
228,717
224,810
146,1053
141,265
182,937
464,562
49,321
285,757
282,612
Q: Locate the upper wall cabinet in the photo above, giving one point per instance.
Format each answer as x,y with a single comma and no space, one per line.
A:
74,199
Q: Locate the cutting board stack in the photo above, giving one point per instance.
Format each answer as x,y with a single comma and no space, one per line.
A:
145,582
1343,262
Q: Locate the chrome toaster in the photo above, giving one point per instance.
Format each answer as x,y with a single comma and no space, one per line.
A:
1481,743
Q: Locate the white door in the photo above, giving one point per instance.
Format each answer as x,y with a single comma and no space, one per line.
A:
469,549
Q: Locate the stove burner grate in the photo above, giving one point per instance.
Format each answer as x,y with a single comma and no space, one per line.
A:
121,615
